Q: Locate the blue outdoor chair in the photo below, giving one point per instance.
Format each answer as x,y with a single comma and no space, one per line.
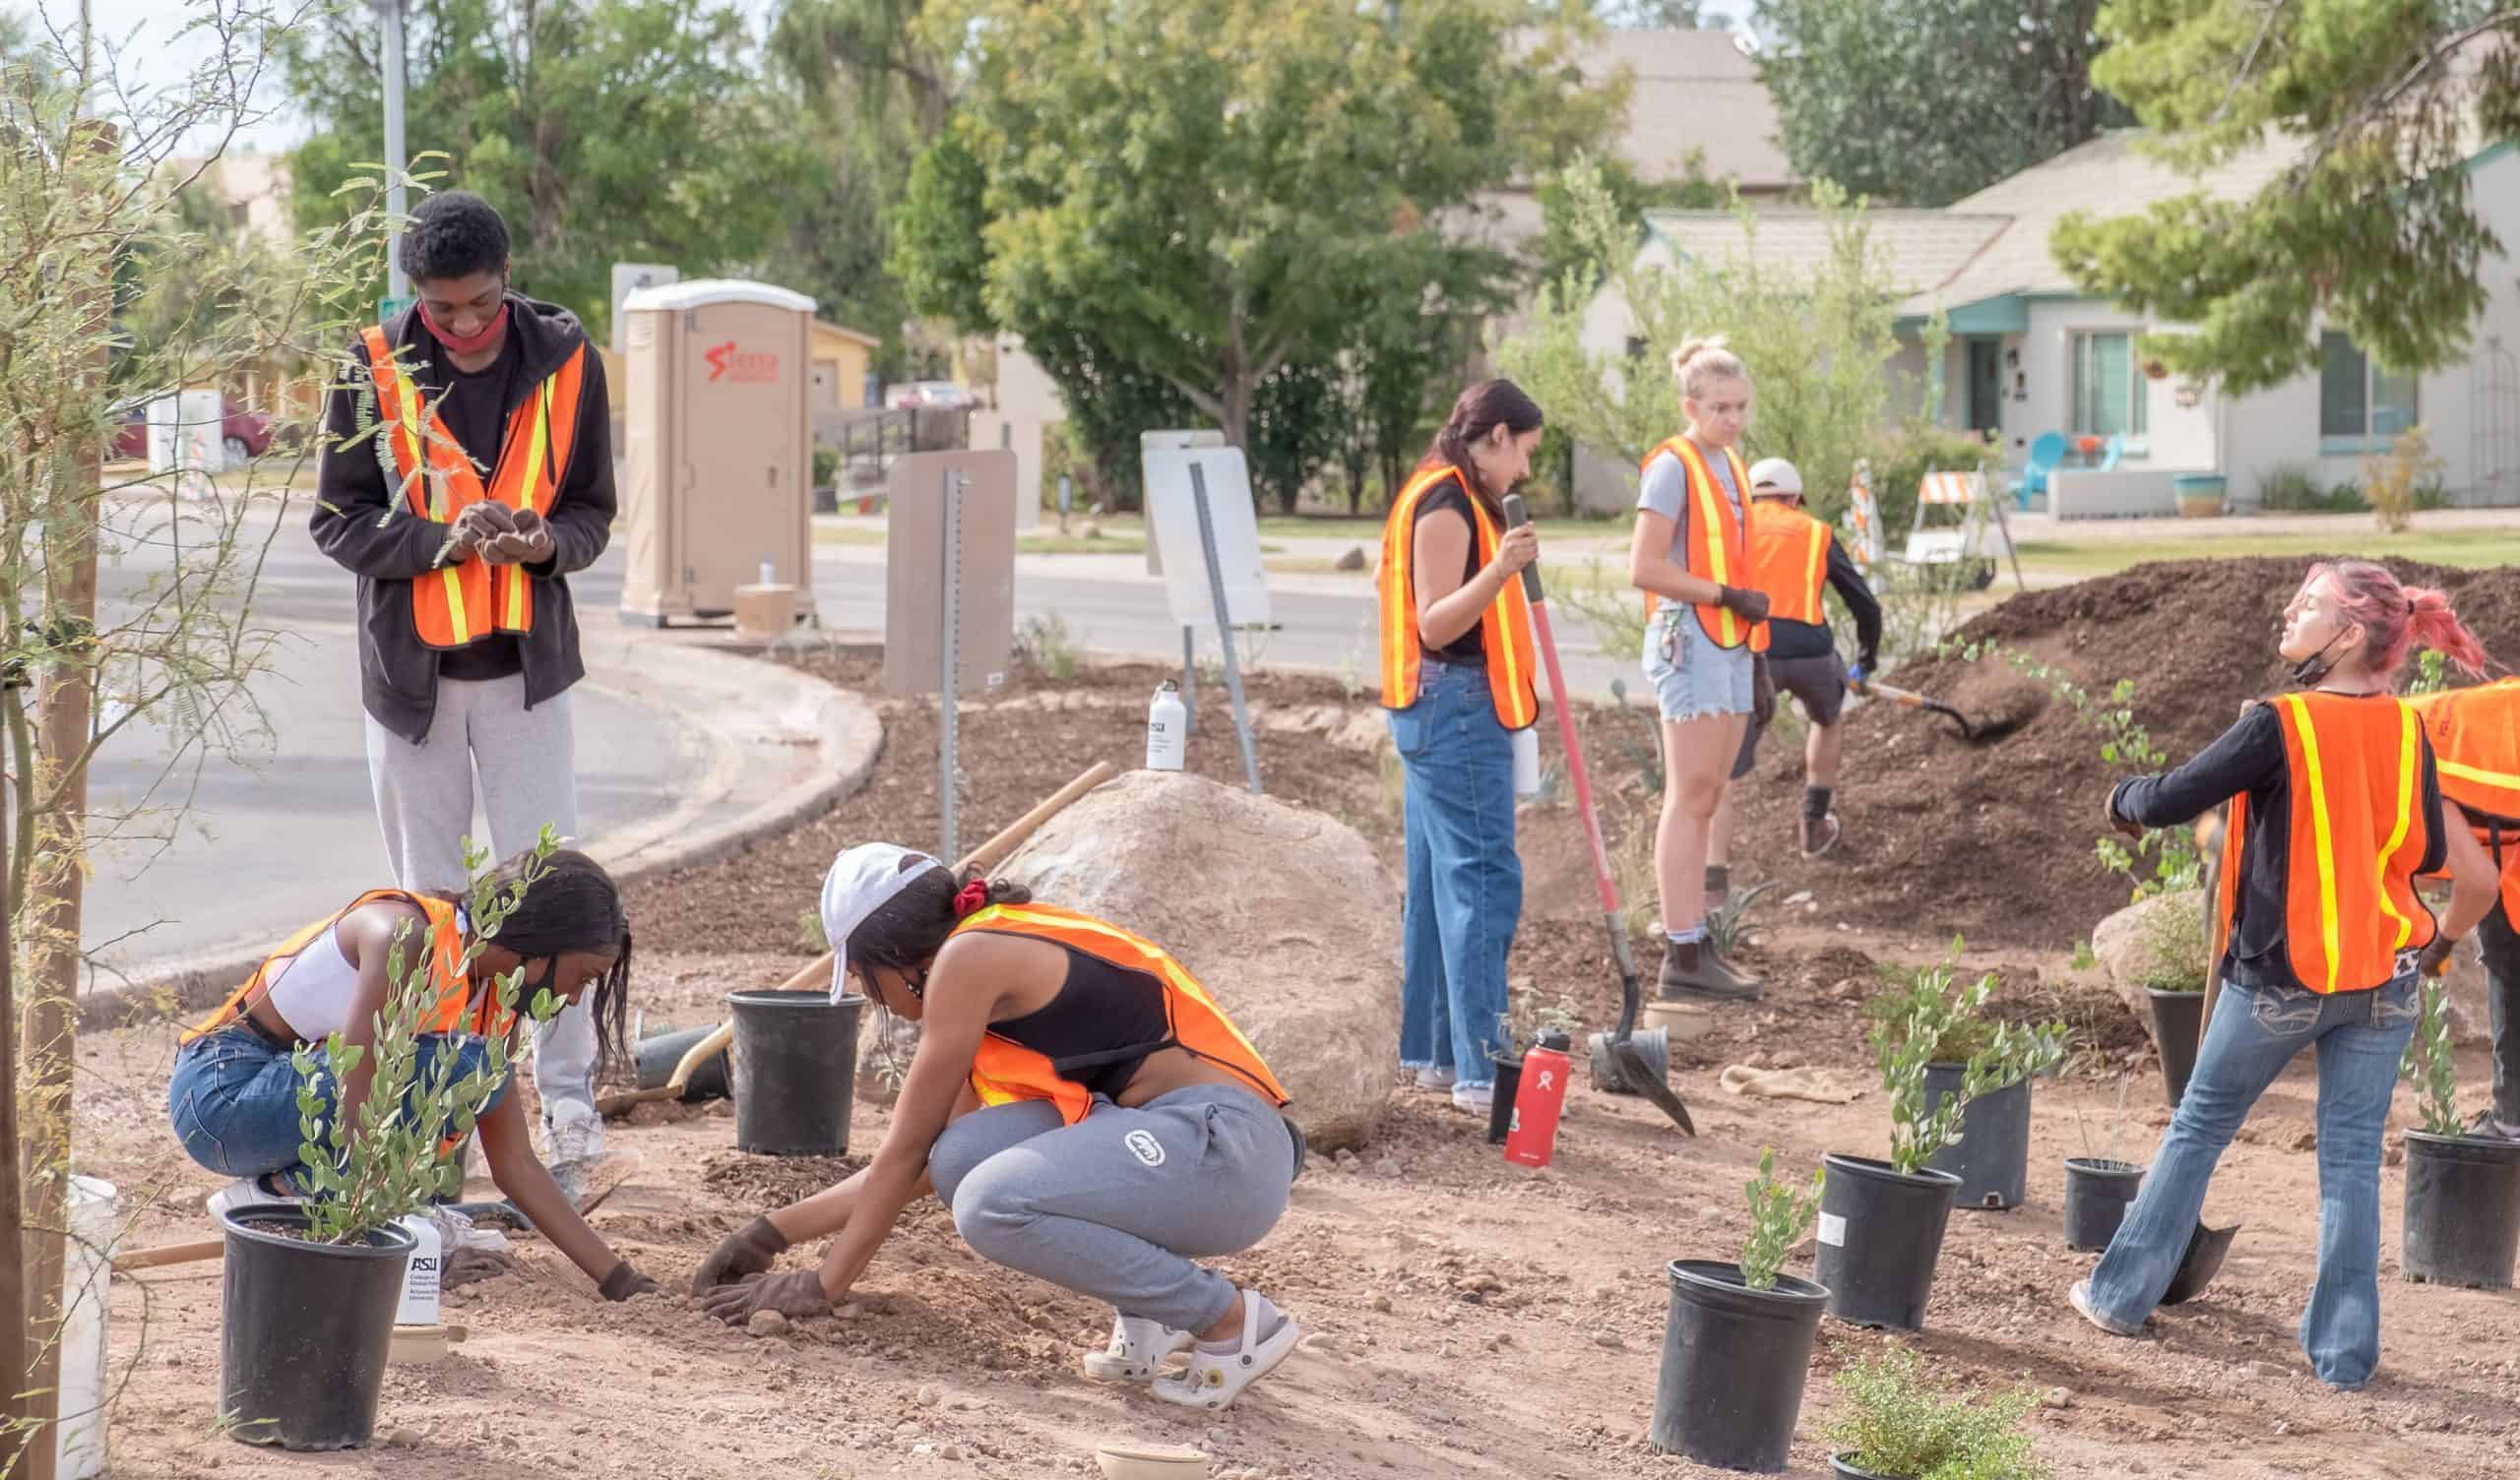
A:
2045,453
2110,454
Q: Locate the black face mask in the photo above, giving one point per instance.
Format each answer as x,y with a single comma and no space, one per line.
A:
2311,669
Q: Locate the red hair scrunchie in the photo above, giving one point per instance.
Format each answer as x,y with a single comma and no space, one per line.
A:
973,898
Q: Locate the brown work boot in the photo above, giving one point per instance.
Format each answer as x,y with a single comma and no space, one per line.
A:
1693,969
1819,834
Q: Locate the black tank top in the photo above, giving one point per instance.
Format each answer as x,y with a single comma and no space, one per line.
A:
1103,1023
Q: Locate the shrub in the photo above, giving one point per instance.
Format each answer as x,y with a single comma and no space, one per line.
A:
2394,480
2173,947
1901,459
1896,1423
2426,1063
1923,1021
1778,1217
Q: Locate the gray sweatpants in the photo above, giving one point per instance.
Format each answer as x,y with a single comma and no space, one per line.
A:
526,764
1116,1205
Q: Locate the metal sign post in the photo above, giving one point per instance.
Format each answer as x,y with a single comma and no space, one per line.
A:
950,633
1225,626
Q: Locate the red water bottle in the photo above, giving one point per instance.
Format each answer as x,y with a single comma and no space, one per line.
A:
1537,1100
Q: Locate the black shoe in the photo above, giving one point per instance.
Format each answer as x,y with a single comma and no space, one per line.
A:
1694,970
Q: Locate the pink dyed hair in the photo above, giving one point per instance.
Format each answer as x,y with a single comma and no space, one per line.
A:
2395,618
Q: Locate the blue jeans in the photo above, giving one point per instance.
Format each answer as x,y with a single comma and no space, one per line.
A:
2255,1033
235,1098
1465,879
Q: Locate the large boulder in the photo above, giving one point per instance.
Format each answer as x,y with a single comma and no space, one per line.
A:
1284,914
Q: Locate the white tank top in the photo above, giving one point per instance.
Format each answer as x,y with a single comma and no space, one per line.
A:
314,991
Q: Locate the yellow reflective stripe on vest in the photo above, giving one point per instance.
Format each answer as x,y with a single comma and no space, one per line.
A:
1501,611
522,492
1701,481
2320,830
2477,774
407,425
1817,569
2397,835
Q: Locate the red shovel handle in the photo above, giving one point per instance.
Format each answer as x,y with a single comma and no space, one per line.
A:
1517,516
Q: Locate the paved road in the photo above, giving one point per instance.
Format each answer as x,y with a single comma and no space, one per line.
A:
275,839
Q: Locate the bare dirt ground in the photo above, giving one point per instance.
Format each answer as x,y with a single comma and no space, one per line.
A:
1468,1318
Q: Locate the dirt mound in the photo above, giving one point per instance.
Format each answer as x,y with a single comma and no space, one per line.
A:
1996,841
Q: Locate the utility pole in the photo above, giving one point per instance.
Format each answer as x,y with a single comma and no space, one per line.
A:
397,282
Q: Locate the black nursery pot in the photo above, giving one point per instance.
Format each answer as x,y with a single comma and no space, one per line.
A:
2462,1211
305,1330
1734,1364
2097,1193
795,1072
2178,1021
1880,1237
1992,1158
1501,1111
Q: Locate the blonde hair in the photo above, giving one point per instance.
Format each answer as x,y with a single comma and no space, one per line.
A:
1698,361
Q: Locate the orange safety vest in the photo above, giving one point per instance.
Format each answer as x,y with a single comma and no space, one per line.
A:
446,951
1718,543
1504,630
1005,1071
2476,747
459,605
1790,561
2357,834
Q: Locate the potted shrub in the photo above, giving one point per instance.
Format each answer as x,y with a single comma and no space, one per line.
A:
1990,1156
1894,1424
1736,1344
2200,494
1881,1222
311,1287
2097,1184
1527,1021
2462,1192
2172,967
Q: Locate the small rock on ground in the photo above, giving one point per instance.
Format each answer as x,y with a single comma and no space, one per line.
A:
767,1323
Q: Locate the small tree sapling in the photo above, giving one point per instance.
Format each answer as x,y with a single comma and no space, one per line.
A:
1778,1217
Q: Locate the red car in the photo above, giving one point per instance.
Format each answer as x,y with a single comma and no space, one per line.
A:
247,434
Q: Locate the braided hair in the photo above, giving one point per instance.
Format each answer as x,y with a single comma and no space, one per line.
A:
571,905
912,926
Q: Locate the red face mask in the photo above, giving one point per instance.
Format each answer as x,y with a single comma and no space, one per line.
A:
473,344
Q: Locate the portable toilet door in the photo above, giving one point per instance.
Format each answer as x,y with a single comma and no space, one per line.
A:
718,458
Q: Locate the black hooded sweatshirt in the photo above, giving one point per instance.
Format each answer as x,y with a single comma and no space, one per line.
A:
360,523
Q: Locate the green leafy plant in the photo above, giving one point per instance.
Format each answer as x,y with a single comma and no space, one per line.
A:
2289,487
2171,944
1528,1015
397,1158
826,467
1043,643
2431,672
2395,480
1778,1217
1727,923
1925,1019
2083,958
2426,1063
1893,1421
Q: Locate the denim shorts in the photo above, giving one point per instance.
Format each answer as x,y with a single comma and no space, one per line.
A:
1693,678
233,1097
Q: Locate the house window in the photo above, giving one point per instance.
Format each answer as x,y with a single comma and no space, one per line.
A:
2363,403
2108,385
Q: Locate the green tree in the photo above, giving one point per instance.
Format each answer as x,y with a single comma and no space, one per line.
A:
2372,228
603,130
1561,249
1818,345
1205,192
1651,15
1924,101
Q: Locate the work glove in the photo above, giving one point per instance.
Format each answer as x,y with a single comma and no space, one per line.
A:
625,1281
749,1249
2130,830
1762,691
465,1264
2435,959
1742,602
528,541
797,1294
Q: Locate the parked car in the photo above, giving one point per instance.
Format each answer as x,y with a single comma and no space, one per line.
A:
931,396
246,434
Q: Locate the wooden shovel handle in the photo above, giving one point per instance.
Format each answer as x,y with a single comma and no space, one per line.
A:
171,1253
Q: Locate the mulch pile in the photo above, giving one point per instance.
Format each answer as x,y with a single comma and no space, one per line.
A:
1996,841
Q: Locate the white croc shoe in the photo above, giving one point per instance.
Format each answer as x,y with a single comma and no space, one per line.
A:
245,1192
1215,1380
1138,1350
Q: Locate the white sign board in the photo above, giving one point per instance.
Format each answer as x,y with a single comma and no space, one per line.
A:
185,433
1172,520
1149,442
627,278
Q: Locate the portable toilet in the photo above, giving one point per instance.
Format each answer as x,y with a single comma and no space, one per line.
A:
717,474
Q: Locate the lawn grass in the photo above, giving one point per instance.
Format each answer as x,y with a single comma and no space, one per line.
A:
2465,548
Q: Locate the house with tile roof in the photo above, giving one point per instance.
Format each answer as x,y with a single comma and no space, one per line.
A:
2029,353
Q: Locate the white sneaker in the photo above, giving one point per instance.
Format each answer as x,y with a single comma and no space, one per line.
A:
1478,1099
1432,1078
2080,1297
1216,1379
245,1192
1139,1348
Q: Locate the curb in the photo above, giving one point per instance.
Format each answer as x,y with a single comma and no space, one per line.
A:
841,726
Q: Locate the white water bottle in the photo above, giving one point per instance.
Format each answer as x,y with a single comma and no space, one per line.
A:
1527,763
770,573
418,1305
1168,729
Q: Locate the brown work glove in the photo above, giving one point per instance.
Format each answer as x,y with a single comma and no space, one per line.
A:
797,1294
625,1281
1762,690
2435,959
1742,602
749,1249
529,540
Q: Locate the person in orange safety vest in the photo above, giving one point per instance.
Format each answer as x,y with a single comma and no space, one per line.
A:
2336,807
1086,1108
466,471
2475,742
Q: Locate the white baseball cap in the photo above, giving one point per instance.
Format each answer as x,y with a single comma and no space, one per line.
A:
863,881
1775,474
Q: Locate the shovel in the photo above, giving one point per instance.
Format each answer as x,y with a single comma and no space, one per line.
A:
1632,1068
1910,698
